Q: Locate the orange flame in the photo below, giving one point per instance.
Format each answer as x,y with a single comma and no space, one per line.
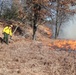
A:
48,31
64,44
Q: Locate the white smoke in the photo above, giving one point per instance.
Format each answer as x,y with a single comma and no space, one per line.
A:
68,29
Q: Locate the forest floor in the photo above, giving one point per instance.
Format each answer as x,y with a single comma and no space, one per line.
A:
24,56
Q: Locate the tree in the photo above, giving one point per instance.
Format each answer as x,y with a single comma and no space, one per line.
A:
36,10
60,10
33,12
10,13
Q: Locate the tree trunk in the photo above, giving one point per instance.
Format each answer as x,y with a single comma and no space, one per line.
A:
36,10
35,25
56,28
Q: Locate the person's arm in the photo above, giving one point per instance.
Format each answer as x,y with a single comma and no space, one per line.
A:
4,30
10,34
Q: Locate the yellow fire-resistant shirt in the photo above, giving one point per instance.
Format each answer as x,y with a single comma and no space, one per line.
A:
7,30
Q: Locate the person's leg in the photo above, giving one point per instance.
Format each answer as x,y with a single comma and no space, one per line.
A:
5,38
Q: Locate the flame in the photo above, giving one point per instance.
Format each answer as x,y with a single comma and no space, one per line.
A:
58,43
48,32
63,44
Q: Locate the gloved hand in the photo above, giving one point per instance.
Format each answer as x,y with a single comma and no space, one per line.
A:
2,33
11,37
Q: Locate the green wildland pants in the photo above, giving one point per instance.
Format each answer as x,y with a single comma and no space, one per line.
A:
5,38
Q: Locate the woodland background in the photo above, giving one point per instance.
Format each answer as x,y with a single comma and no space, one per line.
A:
37,46
52,13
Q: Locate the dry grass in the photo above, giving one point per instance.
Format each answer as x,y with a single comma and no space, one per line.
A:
27,57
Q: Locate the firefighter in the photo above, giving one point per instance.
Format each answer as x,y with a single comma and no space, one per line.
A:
7,31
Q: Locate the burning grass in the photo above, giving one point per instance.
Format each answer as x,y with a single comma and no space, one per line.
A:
63,44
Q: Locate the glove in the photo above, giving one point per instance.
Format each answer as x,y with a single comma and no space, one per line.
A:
11,37
3,33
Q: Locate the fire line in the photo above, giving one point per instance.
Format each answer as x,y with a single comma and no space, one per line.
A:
63,44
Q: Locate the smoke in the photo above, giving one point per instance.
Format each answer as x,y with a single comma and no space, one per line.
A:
68,29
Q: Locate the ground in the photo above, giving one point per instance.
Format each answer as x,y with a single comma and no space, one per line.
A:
35,57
